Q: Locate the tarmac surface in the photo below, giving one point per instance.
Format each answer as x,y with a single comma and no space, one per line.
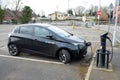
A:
37,67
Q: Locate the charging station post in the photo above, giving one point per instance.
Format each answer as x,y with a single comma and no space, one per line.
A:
103,54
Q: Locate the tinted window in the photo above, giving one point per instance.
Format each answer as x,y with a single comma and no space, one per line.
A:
26,30
41,32
59,31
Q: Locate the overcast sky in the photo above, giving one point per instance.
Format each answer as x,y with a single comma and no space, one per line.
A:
50,6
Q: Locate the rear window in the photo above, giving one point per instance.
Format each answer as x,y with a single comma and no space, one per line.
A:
26,30
59,31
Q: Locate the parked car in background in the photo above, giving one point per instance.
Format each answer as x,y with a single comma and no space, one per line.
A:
47,40
6,22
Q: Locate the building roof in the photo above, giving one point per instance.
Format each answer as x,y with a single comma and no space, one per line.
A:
9,13
57,12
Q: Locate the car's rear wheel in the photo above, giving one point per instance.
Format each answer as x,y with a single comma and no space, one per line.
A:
64,56
13,50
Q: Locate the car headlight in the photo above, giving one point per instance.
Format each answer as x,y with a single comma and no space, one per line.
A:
75,44
9,34
80,44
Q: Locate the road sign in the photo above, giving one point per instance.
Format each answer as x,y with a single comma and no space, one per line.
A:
98,13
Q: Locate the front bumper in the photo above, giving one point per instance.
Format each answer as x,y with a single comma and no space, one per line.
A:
81,51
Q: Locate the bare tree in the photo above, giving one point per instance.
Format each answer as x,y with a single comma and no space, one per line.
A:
104,14
17,7
18,4
43,13
79,11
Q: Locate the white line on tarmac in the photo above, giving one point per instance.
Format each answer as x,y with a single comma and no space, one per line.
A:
90,68
28,59
94,41
3,47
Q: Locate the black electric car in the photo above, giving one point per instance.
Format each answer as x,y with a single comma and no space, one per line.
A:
47,40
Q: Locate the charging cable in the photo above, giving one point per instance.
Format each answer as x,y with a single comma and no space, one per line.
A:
111,49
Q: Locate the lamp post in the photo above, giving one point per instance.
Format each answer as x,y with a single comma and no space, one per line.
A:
110,10
68,4
116,20
99,5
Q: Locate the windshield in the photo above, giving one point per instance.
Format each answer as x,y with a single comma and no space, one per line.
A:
59,31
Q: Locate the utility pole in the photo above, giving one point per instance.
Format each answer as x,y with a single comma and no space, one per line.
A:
99,11
110,10
116,20
99,5
84,2
56,12
68,4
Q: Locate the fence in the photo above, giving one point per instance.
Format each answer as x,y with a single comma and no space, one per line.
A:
70,23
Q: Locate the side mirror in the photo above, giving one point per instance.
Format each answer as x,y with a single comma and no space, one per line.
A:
70,33
88,44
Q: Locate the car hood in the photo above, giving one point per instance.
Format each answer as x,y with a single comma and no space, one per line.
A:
75,39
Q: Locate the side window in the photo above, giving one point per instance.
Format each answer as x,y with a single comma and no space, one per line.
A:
26,30
41,32
16,30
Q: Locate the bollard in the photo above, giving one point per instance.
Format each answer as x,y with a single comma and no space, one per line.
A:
86,24
73,26
92,24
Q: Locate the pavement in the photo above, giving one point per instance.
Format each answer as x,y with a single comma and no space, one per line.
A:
113,72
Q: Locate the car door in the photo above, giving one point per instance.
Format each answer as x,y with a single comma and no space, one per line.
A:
26,37
42,42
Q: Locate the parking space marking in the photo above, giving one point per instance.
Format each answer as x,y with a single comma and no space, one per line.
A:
90,67
1,46
94,41
28,59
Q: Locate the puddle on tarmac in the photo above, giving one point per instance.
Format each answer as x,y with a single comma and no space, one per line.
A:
84,64
83,70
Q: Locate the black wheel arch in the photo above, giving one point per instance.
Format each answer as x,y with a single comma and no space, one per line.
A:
14,44
18,48
57,52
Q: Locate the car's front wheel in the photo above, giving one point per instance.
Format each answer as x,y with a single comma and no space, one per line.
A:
13,50
64,56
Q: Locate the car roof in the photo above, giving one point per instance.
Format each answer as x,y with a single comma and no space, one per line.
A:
36,24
